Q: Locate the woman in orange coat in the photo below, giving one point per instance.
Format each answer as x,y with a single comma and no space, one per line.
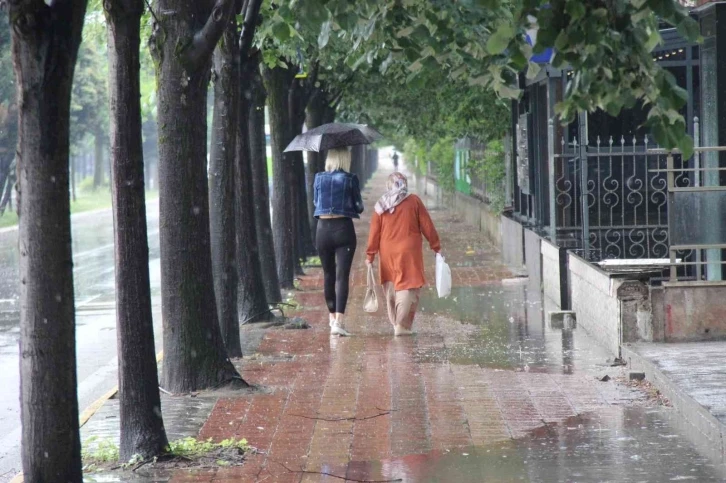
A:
396,233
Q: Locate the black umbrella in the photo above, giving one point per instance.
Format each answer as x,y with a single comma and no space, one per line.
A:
333,135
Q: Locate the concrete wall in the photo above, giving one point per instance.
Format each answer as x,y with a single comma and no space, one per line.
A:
533,256
594,301
694,311
475,212
491,226
512,242
554,274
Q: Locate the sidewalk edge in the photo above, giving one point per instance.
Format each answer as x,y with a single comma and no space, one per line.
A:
701,427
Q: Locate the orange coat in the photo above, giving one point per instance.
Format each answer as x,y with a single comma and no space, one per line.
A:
397,238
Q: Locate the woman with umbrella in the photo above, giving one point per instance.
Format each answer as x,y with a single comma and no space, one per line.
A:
396,233
337,201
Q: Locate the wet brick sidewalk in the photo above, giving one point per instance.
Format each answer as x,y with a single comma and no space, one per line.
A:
484,391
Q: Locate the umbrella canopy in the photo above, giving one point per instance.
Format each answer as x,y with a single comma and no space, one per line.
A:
333,135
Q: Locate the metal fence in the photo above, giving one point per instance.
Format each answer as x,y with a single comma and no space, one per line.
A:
623,194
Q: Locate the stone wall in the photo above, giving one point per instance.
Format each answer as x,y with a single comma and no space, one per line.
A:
593,298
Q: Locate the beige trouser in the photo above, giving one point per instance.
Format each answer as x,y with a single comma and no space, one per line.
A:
401,304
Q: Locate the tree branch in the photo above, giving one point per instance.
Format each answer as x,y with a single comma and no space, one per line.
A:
248,26
205,41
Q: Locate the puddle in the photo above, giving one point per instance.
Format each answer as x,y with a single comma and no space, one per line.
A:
503,326
621,444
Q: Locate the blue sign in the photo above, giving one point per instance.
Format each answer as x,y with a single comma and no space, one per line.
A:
541,58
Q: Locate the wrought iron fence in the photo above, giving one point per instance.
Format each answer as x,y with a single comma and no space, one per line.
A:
626,198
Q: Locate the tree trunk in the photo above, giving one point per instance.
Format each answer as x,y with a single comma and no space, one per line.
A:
221,186
142,426
277,81
194,353
98,164
252,300
357,161
45,47
315,164
261,188
299,97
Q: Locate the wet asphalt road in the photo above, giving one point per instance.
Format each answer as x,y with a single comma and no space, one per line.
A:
93,258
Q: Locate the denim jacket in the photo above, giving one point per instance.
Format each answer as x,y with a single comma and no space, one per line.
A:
337,193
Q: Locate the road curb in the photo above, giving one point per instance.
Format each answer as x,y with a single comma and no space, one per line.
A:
92,409
701,427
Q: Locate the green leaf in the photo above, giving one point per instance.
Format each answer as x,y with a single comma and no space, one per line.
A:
690,29
324,36
533,70
499,40
404,32
685,145
281,31
654,39
576,10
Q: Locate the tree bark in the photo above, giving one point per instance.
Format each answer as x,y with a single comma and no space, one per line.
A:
45,47
222,186
277,80
142,426
300,93
194,353
357,162
252,300
261,187
98,164
314,118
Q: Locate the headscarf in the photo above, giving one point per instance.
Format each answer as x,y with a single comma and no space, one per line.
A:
397,192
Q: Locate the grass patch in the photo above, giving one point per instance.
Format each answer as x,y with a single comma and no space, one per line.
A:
312,262
85,201
191,453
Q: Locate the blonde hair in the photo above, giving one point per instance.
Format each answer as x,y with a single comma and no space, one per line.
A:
338,158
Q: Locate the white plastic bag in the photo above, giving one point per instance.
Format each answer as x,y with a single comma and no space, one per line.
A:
443,277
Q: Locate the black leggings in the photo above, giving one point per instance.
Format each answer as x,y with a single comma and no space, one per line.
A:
336,240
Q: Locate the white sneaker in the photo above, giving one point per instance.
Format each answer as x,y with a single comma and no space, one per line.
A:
337,328
332,320
398,330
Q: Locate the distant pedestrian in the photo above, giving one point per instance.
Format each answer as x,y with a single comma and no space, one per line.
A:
396,233
395,160
337,201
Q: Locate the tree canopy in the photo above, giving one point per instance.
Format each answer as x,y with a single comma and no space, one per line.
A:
488,43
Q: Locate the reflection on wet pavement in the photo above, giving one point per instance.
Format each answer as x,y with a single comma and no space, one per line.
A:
618,444
504,327
93,272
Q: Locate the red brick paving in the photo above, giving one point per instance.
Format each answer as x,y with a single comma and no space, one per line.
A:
342,406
